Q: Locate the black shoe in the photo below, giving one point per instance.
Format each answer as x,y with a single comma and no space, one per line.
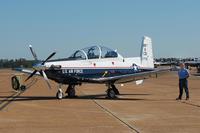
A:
178,98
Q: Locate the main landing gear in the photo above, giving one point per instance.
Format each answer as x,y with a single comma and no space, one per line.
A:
70,91
112,91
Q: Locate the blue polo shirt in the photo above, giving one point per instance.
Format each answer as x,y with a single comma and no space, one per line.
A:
183,73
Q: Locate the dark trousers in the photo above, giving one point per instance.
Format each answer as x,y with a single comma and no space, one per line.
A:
183,84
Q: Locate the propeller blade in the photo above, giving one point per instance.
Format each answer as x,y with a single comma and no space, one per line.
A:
50,56
34,72
38,68
46,79
33,53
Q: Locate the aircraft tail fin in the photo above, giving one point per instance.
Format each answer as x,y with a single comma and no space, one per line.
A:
146,54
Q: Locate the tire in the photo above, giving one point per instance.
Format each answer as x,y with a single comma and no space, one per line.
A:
111,93
15,83
72,92
59,95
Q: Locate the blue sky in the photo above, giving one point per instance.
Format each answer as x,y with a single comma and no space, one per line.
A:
67,25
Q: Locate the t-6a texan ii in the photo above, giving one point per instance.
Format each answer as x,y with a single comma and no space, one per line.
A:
97,65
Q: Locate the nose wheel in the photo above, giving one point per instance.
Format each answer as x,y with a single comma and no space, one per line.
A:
59,94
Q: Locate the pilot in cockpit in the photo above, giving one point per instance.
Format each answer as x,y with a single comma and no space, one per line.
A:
91,54
111,54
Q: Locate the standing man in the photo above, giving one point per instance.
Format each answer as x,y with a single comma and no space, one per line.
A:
183,82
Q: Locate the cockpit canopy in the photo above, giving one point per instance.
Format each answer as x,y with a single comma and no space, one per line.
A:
94,52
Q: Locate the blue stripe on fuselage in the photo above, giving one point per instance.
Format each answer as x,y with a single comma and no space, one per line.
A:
100,72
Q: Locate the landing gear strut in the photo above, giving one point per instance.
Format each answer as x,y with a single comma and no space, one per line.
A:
115,89
112,91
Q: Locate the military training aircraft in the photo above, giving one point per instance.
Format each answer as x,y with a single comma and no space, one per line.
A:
95,64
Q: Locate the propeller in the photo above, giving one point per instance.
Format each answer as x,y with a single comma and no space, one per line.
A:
40,67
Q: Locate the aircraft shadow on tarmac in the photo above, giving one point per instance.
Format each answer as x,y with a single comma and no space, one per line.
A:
83,97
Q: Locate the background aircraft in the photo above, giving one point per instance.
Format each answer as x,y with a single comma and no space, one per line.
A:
96,64
195,63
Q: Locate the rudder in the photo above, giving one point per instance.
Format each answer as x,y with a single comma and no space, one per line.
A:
147,53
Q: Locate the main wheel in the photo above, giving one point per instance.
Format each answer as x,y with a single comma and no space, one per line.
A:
72,92
111,93
59,94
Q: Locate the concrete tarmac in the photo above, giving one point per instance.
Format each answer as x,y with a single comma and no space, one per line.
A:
147,108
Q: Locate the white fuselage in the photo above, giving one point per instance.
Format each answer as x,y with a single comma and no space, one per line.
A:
98,63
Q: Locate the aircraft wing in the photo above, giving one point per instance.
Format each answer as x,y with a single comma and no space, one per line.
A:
192,63
115,79
129,77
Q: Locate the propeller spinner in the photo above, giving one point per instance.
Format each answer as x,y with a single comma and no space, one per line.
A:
40,67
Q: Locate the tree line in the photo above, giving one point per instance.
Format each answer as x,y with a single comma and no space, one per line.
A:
16,63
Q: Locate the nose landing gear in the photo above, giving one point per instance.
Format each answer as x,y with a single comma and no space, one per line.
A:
59,94
70,91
